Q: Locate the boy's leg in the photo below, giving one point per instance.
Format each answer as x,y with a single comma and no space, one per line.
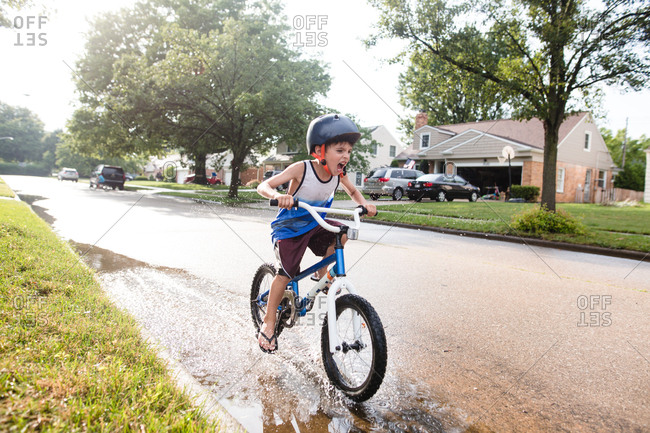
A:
275,296
330,250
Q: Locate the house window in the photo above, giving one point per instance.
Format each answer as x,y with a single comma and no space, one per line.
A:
374,149
602,177
424,141
588,141
560,180
358,179
392,151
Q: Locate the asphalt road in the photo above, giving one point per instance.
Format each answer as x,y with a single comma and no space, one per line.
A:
496,336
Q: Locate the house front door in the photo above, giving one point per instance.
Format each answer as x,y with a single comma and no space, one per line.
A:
587,196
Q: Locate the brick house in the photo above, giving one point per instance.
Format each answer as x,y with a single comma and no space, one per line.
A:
584,165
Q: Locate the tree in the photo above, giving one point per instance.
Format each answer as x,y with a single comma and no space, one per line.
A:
447,94
557,51
633,174
5,20
27,132
235,87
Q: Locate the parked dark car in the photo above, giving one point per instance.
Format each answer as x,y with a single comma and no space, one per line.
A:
441,187
114,177
271,173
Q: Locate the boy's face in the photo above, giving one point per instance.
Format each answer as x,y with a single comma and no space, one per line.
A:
337,156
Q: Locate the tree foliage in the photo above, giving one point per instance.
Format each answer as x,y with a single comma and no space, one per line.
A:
208,77
633,174
557,51
27,132
448,94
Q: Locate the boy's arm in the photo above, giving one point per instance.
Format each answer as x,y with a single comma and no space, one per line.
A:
356,196
268,187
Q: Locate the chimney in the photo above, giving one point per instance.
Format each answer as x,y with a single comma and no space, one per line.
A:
421,119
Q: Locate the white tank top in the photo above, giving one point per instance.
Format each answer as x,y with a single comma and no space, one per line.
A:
312,190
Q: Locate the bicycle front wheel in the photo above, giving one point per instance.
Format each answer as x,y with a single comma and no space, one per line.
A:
359,367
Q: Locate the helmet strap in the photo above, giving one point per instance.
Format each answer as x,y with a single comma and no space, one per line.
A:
322,162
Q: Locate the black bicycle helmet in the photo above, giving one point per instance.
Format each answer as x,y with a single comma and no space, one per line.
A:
331,128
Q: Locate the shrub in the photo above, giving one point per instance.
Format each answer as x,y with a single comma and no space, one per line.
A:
253,184
540,220
27,169
527,192
151,178
143,178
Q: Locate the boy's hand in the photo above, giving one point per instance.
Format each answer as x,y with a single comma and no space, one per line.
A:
285,201
372,209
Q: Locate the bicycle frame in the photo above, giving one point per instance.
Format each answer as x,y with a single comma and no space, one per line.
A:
338,271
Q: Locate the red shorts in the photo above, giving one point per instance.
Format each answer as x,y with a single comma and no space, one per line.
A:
289,252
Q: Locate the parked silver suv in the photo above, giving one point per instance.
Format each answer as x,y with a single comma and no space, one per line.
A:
390,181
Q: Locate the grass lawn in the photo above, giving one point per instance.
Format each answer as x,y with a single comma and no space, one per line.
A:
613,227
69,359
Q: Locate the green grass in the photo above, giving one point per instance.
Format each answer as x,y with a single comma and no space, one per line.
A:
612,227
5,191
69,359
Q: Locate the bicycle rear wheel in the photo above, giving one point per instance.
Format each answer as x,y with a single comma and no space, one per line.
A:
359,367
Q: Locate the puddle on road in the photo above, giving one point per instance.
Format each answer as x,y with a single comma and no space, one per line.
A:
208,329
41,212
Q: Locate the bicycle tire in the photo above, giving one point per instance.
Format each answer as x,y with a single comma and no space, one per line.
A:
364,384
261,283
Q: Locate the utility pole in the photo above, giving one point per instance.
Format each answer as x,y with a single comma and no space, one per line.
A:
624,145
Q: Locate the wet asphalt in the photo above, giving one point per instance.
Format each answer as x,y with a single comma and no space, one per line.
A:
482,335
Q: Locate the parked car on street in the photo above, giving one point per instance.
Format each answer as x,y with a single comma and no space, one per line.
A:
113,177
212,180
68,174
441,187
390,181
272,173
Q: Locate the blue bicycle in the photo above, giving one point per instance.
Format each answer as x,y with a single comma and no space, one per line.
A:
353,344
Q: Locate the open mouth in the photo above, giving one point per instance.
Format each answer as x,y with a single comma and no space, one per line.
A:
340,167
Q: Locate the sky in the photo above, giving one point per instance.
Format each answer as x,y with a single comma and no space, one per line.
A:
37,55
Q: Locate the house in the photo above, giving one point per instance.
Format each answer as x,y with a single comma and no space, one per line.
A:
476,151
382,154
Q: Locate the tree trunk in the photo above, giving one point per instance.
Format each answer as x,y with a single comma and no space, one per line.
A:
235,166
549,175
199,169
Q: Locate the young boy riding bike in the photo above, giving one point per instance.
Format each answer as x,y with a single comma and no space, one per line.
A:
330,139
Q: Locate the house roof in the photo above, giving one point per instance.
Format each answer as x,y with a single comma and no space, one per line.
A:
529,132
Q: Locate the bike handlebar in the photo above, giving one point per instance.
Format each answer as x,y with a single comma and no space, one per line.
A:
313,210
